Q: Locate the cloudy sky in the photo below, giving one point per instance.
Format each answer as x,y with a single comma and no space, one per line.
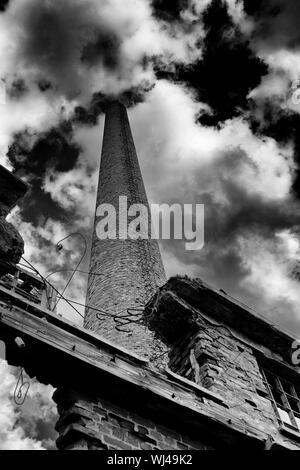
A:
214,93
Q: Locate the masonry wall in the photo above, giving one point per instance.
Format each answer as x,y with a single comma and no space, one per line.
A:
213,359
97,424
130,270
215,381
219,359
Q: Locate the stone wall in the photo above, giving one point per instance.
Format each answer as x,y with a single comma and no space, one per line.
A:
225,365
96,424
213,359
220,357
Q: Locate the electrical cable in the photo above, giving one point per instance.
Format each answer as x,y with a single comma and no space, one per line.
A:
116,317
74,270
19,397
36,272
136,309
49,283
132,315
78,264
120,318
58,271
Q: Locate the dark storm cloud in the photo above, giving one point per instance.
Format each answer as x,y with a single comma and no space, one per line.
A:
89,114
244,212
253,7
17,89
38,419
234,212
59,48
52,150
3,5
61,45
169,10
43,84
296,271
56,37
276,22
135,95
276,28
104,49
283,126
49,41
239,210
226,71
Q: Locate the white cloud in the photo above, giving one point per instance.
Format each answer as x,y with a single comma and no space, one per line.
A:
140,36
73,190
41,252
172,147
182,161
236,11
271,263
132,29
32,111
282,80
12,434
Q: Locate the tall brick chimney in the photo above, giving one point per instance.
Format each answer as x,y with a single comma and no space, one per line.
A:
131,270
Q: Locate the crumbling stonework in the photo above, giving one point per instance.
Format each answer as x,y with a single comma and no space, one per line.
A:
214,359
11,242
221,346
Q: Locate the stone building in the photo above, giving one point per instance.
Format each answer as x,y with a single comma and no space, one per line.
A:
229,382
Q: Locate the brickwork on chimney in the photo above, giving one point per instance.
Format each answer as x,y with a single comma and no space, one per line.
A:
132,269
